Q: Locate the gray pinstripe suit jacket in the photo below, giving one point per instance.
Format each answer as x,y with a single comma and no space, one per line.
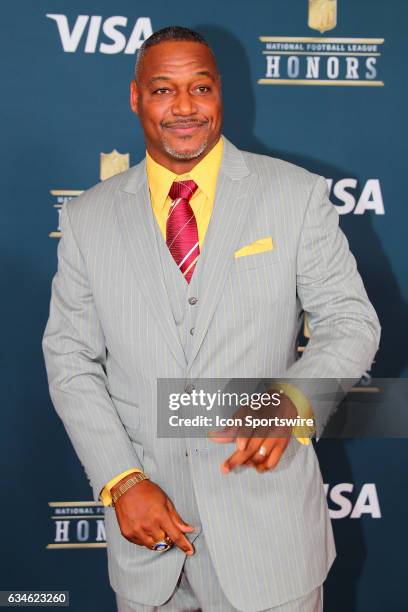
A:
111,334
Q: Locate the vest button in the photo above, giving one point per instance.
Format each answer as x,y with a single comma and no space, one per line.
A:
192,301
192,330
189,388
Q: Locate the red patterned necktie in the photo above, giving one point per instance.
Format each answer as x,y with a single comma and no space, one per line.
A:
181,228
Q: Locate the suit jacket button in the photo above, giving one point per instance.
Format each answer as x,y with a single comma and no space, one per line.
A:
189,388
192,300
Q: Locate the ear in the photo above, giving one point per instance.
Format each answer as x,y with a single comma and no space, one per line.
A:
133,97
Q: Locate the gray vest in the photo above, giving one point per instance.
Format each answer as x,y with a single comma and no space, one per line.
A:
182,295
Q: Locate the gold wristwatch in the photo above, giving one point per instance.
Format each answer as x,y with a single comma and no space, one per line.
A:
127,484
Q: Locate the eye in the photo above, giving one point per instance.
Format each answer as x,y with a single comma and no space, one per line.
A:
161,90
203,88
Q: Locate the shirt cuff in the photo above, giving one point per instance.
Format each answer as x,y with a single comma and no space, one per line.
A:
105,494
304,409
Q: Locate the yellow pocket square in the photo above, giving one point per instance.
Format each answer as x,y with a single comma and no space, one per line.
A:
258,246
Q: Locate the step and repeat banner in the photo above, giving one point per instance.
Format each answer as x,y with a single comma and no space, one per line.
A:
322,84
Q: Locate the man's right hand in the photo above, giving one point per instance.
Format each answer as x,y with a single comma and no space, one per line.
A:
146,515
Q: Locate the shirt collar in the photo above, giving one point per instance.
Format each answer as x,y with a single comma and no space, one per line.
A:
204,174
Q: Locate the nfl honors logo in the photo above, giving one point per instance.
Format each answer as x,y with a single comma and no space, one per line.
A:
322,15
306,60
113,163
77,524
109,165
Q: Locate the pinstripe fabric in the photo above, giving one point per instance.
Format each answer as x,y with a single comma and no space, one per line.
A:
119,319
184,600
198,590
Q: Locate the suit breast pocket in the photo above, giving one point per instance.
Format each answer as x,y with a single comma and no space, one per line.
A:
258,282
255,260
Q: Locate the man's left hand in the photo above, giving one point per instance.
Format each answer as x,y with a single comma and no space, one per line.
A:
259,447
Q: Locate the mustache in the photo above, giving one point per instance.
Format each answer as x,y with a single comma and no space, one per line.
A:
182,122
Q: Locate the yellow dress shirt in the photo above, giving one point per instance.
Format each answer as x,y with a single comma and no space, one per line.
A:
204,174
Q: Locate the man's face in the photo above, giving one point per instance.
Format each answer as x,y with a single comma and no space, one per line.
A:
178,100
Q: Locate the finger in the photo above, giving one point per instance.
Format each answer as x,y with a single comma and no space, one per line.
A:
242,443
239,457
153,535
251,447
273,458
236,459
254,448
176,535
261,454
176,518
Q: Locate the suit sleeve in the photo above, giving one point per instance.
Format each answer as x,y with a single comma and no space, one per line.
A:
75,352
344,326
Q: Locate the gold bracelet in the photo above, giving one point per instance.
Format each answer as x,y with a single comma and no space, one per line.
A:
129,482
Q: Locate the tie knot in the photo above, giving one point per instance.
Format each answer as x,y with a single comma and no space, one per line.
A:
182,189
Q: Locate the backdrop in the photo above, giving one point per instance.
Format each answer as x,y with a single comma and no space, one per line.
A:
320,84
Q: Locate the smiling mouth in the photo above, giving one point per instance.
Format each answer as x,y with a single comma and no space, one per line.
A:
184,128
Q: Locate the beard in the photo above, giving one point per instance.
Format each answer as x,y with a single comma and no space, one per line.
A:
182,152
189,154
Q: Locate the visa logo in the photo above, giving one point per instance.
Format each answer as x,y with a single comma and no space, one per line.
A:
348,198
113,31
365,501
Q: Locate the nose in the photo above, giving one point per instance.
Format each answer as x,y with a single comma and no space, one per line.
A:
184,104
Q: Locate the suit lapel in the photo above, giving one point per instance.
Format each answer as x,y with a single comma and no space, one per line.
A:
136,223
234,195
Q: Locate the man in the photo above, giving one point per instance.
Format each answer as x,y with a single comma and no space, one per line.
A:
140,295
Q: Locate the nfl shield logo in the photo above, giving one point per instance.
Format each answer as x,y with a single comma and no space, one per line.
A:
113,163
322,15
